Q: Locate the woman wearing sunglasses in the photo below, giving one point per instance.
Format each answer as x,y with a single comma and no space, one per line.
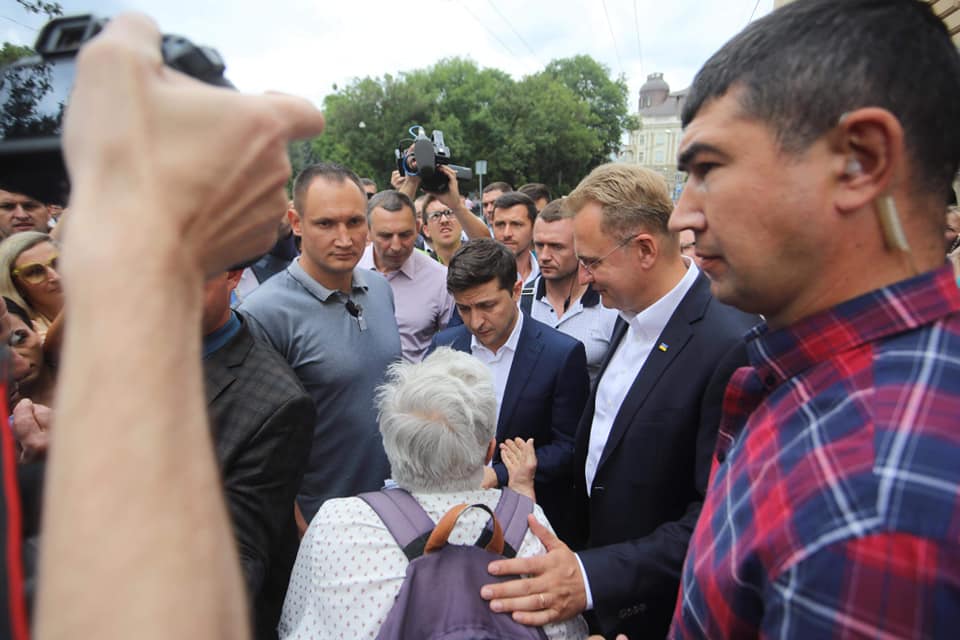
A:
28,276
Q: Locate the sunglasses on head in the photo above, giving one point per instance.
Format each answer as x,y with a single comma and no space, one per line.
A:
36,272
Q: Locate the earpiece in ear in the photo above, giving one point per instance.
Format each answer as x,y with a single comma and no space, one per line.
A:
853,167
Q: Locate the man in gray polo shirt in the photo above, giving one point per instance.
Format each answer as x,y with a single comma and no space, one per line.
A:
335,325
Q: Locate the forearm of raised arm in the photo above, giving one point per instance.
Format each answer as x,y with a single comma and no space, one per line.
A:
134,442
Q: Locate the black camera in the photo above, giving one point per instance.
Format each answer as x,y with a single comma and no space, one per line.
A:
427,156
34,92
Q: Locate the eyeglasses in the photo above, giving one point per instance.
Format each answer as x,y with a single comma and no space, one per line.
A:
36,272
436,215
590,265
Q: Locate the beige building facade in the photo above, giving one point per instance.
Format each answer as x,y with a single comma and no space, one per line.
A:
654,145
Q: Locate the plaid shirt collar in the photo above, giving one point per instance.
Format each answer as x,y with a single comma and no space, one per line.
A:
783,354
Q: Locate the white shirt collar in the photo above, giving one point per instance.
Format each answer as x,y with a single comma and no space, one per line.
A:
509,345
649,323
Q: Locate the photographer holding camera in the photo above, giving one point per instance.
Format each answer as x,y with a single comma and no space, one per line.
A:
442,184
134,505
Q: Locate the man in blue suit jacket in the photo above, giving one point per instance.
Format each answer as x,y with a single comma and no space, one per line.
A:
539,373
644,444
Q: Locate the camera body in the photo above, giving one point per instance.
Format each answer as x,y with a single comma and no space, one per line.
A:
34,92
428,154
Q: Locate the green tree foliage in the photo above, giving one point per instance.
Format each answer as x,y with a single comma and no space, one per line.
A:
11,52
550,127
606,98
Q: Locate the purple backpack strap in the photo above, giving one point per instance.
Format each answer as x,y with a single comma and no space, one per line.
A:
511,511
404,518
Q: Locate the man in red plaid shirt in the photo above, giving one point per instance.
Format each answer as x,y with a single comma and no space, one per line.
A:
820,143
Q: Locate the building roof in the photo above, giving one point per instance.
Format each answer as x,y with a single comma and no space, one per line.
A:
672,106
655,82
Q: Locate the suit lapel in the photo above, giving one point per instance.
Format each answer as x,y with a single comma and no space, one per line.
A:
619,330
676,334
462,341
524,364
217,367
586,421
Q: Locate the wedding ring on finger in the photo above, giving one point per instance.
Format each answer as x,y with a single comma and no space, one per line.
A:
543,602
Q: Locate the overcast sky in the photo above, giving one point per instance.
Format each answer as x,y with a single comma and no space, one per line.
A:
306,47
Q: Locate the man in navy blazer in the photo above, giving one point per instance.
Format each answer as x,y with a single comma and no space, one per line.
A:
540,374
645,441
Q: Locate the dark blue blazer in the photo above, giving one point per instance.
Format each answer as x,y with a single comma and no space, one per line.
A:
545,394
652,475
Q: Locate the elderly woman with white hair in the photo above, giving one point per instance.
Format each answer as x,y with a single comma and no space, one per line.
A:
437,419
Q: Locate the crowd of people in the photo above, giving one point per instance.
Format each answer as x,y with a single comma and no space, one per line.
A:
726,416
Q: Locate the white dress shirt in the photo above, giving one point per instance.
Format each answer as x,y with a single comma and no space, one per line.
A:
534,269
500,362
641,338
642,334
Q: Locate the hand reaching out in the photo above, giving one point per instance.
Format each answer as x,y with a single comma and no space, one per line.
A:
519,457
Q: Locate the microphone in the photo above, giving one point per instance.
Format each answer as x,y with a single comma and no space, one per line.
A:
356,311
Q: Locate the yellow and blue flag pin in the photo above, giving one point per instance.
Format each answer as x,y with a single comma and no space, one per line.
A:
663,346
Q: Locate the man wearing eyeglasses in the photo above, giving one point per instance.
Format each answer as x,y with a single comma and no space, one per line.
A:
22,212
442,229
643,446
557,297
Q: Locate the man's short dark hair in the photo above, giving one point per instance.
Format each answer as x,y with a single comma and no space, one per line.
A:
807,63
536,191
391,201
512,199
478,262
556,210
498,186
328,171
367,182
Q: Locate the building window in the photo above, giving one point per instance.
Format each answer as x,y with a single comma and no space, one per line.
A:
660,138
640,157
658,156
